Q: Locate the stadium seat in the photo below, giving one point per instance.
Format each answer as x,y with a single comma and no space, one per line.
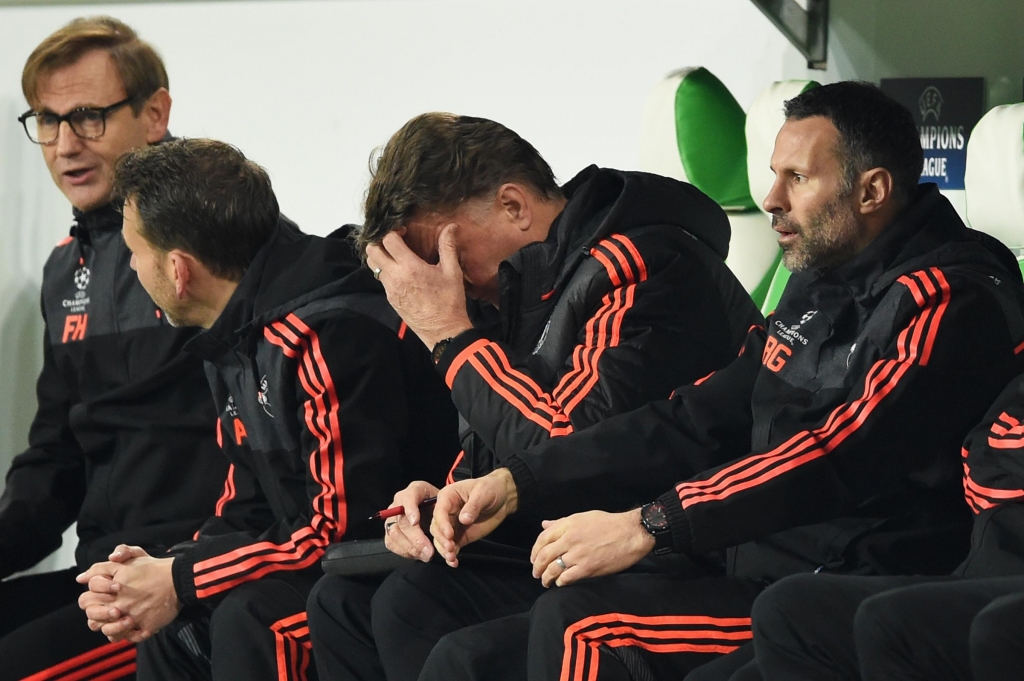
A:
764,119
994,178
693,131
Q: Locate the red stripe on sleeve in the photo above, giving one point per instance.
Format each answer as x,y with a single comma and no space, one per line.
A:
326,467
279,342
608,266
461,359
844,420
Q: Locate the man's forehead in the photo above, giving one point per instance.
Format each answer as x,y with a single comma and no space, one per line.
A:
805,143
93,80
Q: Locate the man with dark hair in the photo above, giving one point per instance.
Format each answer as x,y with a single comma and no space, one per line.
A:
325,407
587,300
123,438
830,444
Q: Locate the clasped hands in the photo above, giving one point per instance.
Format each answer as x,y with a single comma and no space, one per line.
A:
591,544
131,596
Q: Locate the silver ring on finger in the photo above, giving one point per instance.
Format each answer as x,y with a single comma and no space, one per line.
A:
387,528
561,563
376,273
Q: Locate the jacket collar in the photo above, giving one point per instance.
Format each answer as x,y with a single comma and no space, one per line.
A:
927,233
103,219
289,271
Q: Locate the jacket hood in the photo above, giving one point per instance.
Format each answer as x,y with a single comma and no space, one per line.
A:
626,199
929,233
291,270
602,201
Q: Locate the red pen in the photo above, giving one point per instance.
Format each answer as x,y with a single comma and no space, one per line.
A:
399,510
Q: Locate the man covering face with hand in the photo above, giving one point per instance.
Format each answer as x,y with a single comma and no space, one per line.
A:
547,308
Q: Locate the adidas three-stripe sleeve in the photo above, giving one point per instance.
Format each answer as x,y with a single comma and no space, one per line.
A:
654,319
348,410
625,460
904,419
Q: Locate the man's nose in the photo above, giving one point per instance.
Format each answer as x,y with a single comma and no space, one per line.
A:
775,202
68,143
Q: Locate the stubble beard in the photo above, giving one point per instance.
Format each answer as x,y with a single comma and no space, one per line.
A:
826,242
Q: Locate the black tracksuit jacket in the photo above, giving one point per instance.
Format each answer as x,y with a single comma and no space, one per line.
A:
832,442
123,439
993,477
628,297
327,408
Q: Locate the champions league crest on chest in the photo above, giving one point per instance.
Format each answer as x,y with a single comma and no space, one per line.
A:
80,300
82,277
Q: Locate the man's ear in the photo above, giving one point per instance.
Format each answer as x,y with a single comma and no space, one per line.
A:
157,113
876,186
516,205
182,266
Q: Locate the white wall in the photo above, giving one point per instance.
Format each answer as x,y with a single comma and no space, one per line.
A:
308,88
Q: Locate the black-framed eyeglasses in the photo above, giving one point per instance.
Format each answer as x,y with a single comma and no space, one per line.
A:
86,122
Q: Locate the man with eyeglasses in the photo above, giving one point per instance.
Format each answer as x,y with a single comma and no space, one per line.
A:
124,438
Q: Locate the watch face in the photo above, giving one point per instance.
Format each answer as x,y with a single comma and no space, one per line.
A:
654,516
439,350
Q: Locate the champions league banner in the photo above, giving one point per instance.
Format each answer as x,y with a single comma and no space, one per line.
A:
945,110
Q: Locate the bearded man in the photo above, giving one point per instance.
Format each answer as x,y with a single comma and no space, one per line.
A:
832,443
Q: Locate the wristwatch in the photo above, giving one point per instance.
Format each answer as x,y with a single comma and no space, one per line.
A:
439,348
655,520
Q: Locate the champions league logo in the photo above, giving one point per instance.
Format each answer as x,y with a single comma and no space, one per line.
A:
930,103
82,278
808,316
81,299
945,111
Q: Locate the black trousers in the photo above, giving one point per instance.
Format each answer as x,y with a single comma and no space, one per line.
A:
411,610
258,631
43,632
494,650
829,627
739,665
629,626
339,626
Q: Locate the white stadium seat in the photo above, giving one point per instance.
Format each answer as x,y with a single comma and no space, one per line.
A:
994,178
764,120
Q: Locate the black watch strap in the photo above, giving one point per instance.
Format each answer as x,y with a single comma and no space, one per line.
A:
439,347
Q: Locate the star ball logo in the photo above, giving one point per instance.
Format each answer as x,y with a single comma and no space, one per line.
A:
82,278
930,102
80,301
